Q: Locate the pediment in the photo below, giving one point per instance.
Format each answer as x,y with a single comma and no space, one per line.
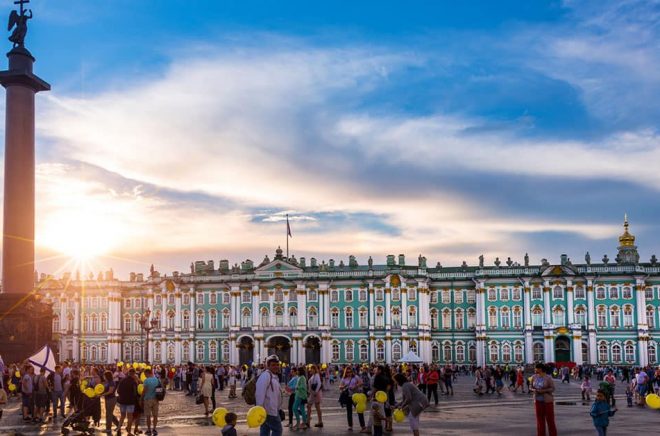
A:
278,266
558,271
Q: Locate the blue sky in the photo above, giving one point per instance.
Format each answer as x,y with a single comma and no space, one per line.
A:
178,131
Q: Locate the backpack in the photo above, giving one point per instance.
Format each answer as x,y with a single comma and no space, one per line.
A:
160,391
250,392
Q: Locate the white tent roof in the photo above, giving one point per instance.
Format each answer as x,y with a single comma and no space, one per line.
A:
411,357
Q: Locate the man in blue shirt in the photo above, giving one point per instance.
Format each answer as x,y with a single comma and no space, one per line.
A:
150,401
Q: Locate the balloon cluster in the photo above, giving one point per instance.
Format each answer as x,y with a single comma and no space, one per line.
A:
653,401
255,416
92,392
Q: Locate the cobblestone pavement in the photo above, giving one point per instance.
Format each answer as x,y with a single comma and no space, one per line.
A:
461,414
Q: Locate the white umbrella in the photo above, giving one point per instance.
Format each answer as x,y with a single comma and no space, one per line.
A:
411,357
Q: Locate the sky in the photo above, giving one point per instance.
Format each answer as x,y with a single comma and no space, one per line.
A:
178,131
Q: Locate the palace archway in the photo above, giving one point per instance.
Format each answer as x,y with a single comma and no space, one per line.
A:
245,347
312,347
562,349
280,346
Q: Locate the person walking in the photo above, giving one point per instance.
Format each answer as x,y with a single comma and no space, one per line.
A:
56,385
291,390
600,413
432,379
299,409
314,388
269,396
110,398
543,387
413,401
127,390
351,384
150,401
207,389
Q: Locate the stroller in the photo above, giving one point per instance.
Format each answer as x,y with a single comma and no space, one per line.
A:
79,421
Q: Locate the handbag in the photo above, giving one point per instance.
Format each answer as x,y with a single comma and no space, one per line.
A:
344,398
199,399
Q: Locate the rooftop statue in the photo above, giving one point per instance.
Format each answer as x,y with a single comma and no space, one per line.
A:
18,22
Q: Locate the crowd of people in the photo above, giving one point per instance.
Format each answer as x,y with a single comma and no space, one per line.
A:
136,390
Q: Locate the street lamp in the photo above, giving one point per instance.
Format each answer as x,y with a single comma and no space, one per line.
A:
147,326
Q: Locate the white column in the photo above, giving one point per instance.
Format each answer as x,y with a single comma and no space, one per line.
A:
388,310
286,307
302,307
547,311
233,360
640,294
388,349
178,317
177,311
529,342
372,314
256,295
300,352
193,317
372,349
404,310
76,316
177,352
576,347
569,300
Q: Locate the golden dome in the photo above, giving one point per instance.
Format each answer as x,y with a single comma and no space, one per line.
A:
626,240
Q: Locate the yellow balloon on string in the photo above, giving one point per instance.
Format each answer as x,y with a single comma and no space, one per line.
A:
140,389
99,389
381,396
361,407
218,417
256,416
399,415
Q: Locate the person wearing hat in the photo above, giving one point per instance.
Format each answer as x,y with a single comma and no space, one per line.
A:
269,396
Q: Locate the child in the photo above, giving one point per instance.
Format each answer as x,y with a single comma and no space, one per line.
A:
586,389
600,413
229,429
377,418
232,382
629,395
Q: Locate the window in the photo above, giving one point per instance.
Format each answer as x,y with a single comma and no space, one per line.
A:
602,352
313,295
264,296
380,351
213,300
127,303
506,353
348,295
517,294
293,296
627,316
364,352
518,352
157,352
185,352
380,321
616,353
200,320
226,297
213,320
538,352
412,316
504,294
186,299
492,294
558,316
348,315
492,317
517,317
396,294
170,300
493,352
95,322
434,319
396,317
446,296
614,293
363,318
472,318
601,318
279,317
412,294
459,319
245,296
629,352
186,320
293,317
505,318
536,293
312,318
362,295
648,292
200,351
434,297
264,317
650,316
136,322
472,352
537,316
446,352
557,293
379,294
435,352
334,318
170,320
446,319
246,318
334,296
225,351
213,351
350,350
104,322
600,293
627,293
335,351
580,316
460,352
56,323
69,323
579,292
653,357
614,317
279,296
159,300
396,351
458,296
471,296
226,318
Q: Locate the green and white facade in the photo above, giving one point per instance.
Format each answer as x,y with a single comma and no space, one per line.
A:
597,313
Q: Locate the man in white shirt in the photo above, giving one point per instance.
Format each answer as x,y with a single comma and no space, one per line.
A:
269,396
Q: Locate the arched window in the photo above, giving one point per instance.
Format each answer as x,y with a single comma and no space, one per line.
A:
614,293
157,351
264,317
396,351
472,352
213,299
264,296
517,317
312,294
506,353
471,318
94,357
492,294
435,352
334,318
213,320
127,323
537,350
364,317
627,316
460,352
413,346
537,316
380,351
104,322
505,318
226,298
362,295
629,352
600,293
213,351
84,351
348,314
246,318
601,318
350,350
170,352
459,319
557,293
312,318
412,294
293,316
279,296
56,323
348,295
579,292
412,316
226,318
156,317
186,320
127,352
494,352
558,315
616,353
364,352
580,315
69,322
380,322
225,351
650,316
492,317
602,352
245,297
446,319
536,293
86,323
504,294
518,352
335,351
379,294
446,352
200,351
653,357
334,297
396,317
627,292
279,317
614,317
185,352
200,319
170,320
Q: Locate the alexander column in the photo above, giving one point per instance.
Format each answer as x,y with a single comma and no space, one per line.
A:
18,306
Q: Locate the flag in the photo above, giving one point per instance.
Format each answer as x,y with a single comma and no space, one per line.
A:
288,228
45,358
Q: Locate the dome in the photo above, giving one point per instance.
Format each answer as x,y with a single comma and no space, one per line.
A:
626,240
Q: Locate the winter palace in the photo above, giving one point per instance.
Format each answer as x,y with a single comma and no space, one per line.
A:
306,311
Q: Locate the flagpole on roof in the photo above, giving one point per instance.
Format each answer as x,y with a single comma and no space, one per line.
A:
288,232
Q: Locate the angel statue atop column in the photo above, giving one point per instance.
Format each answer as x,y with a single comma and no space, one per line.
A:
19,23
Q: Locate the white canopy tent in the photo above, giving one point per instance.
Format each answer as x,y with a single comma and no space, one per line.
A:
411,357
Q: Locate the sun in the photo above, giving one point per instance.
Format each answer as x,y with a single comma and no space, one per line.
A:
81,235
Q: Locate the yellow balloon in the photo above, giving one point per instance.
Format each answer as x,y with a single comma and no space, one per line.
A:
147,367
89,392
143,376
120,364
140,389
653,401
83,385
381,396
324,366
529,379
359,398
218,417
99,389
398,415
12,387
136,365
17,373
256,416
361,407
